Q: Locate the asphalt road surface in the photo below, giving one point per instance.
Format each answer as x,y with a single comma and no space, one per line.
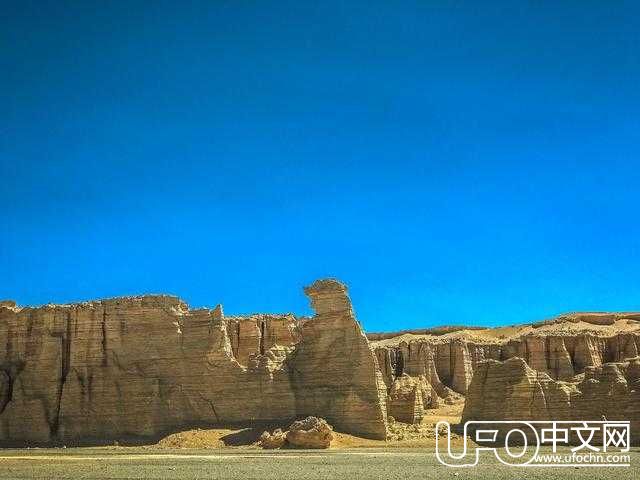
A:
242,464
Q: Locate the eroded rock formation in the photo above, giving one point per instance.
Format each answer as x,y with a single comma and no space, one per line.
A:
445,363
138,367
408,398
511,390
335,367
451,362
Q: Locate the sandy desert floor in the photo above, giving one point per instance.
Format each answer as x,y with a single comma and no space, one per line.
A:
233,453
404,436
245,464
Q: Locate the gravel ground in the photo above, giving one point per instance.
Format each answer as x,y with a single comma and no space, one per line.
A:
244,464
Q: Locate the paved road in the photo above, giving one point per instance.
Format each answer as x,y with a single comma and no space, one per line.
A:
281,465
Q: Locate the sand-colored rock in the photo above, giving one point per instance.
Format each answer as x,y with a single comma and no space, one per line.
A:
407,398
561,348
256,334
511,390
334,369
311,432
135,368
273,440
138,367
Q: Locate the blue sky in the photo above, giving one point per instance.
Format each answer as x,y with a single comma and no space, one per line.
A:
453,162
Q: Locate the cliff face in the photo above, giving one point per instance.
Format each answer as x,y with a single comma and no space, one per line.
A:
138,367
445,365
452,361
511,390
334,368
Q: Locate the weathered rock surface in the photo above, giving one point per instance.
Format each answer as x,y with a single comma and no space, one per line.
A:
511,390
445,360
257,334
273,440
138,367
336,367
595,318
312,432
407,399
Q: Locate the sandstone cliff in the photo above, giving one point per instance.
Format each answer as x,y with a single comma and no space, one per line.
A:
335,367
511,390
444,361
137,367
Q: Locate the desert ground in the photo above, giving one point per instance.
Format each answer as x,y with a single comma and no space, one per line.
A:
245,464
234,453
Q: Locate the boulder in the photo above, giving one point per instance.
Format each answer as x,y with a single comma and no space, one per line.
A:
311,432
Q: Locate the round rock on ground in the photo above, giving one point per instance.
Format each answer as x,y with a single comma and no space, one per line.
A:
311,432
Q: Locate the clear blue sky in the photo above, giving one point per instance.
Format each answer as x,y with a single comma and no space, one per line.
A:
476,163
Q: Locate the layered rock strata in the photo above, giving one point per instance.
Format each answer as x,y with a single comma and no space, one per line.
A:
335,367
407,399
138,367
446,363
451,362
511,390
